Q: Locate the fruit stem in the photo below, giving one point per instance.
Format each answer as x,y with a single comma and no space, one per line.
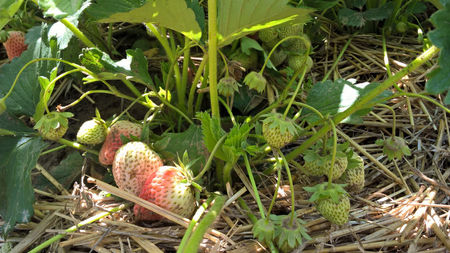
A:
429,99
275,194
77,32
364,101
291,186
77,226
131,87
204,224
77,145
296,89
210,158
393,117
212,52
333,153
233,120
184,74
52,150
197,76
255,189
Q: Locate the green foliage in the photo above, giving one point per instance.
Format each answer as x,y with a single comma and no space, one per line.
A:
61,8
439,81
394,147
333,97
18,156
325,191
7,10
357,18
134,67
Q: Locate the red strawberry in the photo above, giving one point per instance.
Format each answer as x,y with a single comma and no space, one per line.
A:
133,163
169,188
113,142
15,44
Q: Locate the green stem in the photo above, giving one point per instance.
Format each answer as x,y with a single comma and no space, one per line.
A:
51,84
226,173
255,189
186,60
210,158
75,228
385,55
275,194
205,223
408,94
291,186
52,150
335,63
212,52
77,32
311,108
393,117
131,87
77,145
197,76
333,154
296,91
193,223
227,108
361,103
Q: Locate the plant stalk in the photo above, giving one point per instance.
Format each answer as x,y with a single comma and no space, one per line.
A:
212,52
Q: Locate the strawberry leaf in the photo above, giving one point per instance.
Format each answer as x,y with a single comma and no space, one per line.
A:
7,10
18,156
333,97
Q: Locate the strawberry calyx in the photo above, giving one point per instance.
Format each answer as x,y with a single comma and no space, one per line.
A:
275,120
52,121
326,191
394,147
227,86
289,233
264,230
256,81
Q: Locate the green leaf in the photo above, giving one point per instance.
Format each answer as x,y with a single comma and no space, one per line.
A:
333,97
18,156
439,81
132,68
350,17
11,123
380,13
104,8
247,44
321,4
7,10
237,18
212,132
173,14
173,145
66,172
25,95
60,8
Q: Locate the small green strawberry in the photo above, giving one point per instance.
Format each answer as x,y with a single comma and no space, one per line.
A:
299,46
394,147
298,62
268,34
278,131
170,188
278,57
290,29
92,132
113,139
227,86
54,125
353,176
264,230
270,44
318,163
331,202
256,81
289,233
133,163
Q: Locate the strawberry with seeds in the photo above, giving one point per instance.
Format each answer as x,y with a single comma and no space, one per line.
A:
14,43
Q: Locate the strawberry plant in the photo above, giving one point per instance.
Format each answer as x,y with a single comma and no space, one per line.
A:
276,102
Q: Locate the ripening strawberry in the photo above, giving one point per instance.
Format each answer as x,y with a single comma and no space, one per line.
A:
268,34
15,44
91,132
54,134
113,141
353,176
335,212
298,62
133,163
169,188
52,126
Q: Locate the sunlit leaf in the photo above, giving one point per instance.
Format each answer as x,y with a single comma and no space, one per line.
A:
7,10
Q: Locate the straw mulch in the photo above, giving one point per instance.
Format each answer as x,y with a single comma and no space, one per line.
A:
404,206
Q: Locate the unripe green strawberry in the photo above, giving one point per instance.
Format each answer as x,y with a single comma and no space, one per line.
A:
247,61
169,188
289,233
314,168
91,132
298,62
320,168
278,57
271,43
335,212
278,131
256,81
353,176
298,47
268,34
113,141
227,86
133,163
289,29
54,125
401,27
